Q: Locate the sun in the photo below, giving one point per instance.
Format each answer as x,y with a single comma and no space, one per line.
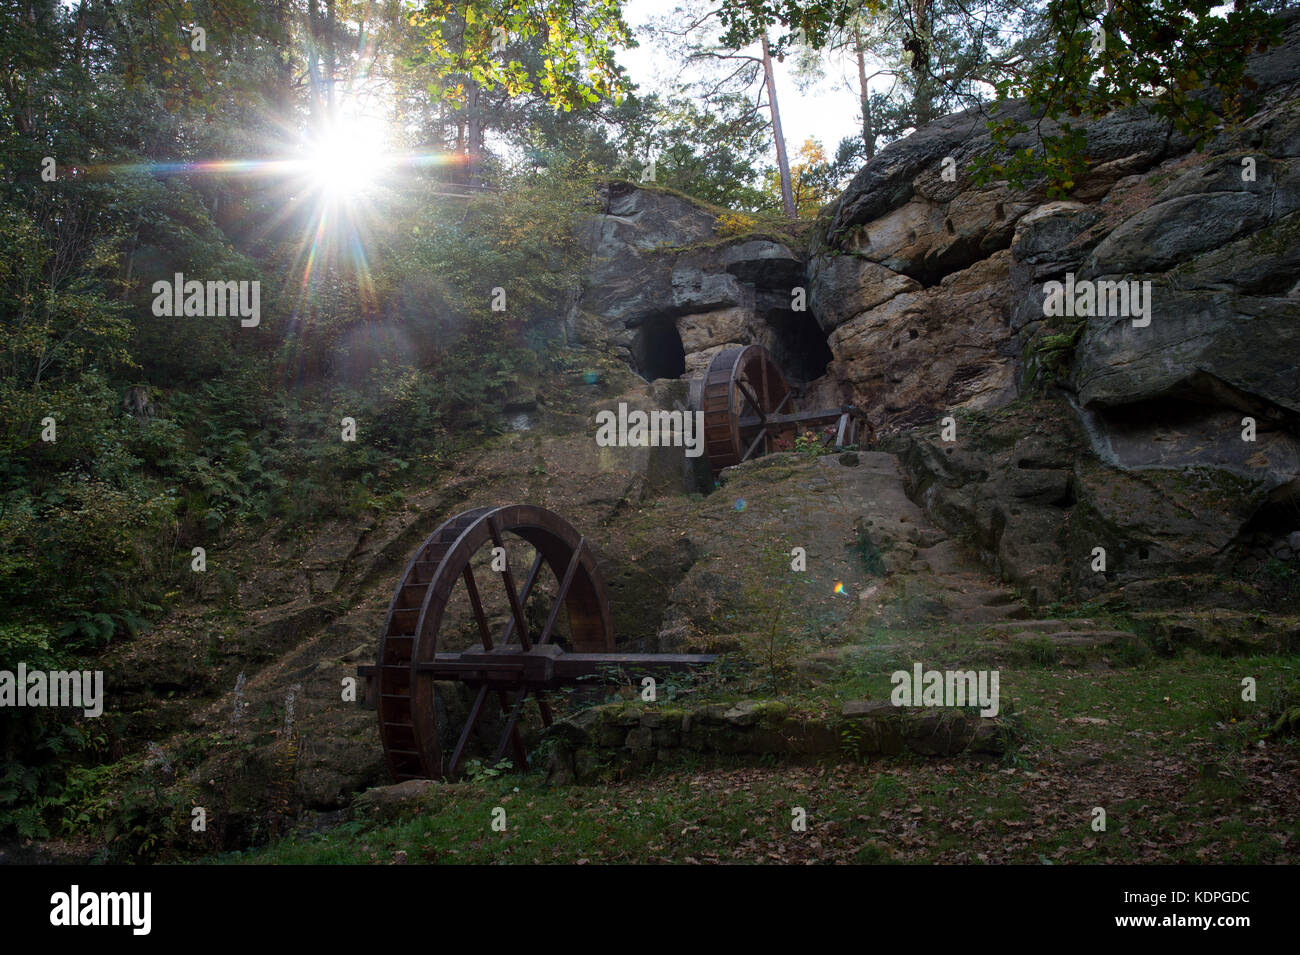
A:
347,159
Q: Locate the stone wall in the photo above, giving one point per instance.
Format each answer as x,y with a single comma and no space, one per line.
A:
616,737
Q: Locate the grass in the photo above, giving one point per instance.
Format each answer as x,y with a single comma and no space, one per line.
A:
1167,748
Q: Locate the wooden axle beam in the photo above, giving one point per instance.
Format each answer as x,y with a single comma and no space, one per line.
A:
544,667
800,417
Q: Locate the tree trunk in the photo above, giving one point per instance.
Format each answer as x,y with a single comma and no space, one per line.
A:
864,94
313,62
284,63
924,93
782,160
331,60
79,47
474,141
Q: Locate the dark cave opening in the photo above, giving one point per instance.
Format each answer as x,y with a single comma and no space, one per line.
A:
658,352
1278,518
800,347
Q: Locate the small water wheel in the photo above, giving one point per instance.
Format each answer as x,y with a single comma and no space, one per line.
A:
439,589
742,389
748,406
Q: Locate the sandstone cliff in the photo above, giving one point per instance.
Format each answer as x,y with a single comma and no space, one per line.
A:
925,298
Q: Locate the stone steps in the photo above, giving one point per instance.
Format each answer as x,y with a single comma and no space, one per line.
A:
989,613
984,605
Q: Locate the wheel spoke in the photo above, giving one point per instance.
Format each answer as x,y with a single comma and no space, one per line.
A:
511,732
564,590
775,434
470,722
743,385
845,435
523,597
480,617
516,606
762,433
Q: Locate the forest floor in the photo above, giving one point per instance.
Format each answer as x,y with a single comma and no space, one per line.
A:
1165,748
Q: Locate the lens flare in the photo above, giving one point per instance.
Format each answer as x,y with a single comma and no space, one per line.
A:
347,159
840,589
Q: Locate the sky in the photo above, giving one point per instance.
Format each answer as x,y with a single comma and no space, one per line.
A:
827,111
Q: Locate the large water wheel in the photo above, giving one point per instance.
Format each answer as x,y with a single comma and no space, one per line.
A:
449,581
742,390
459,625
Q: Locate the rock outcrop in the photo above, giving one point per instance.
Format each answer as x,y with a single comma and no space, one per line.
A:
667,292
1180,455
1159,420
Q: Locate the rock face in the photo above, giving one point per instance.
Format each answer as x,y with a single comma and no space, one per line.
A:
925,292
1180,453
1155,415
932,290
667,293
1021,485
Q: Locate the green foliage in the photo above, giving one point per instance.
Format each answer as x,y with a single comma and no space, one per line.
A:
521,238
31,787
96,526
773,644
813,444
576,41
1161,52
940,55
713,153
1051,353
480,771
1185,60
138,818
69,520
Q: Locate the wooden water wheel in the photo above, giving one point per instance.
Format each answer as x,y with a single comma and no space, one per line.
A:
442,576
439,629
748,406
742,389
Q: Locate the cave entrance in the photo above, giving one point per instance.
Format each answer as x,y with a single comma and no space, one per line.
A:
1278,517
658,351
798,345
